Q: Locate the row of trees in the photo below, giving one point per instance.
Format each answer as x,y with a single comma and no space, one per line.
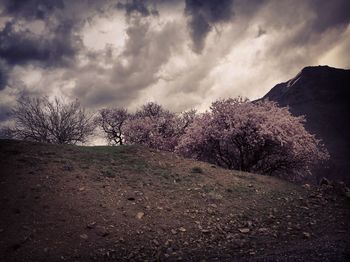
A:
235,133
151,125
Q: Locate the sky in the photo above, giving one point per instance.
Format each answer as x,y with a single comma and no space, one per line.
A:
179,53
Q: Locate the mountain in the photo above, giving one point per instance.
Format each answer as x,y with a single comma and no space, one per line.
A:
322,94
131,203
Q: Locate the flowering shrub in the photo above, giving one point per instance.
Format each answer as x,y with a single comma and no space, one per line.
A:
252,136
159,133
155,127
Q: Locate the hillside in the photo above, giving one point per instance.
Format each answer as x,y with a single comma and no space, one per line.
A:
322,94
70,203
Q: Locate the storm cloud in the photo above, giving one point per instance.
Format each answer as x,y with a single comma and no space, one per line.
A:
137,6
330,14
31,9
19,46
182,54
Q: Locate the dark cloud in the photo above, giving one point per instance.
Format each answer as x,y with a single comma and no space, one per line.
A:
330,14
31,9
317,17
22,46
306,31
203,15
137,6
58,41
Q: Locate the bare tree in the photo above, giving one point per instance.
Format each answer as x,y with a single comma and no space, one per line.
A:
56,122
111,121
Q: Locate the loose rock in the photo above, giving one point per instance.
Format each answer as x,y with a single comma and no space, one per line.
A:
101,231
244,230
91,225
306,235
182,229
140,215
84,236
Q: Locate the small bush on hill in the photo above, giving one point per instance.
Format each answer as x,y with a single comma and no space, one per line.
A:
51,121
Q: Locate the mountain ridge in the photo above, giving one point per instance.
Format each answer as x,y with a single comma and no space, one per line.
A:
322,94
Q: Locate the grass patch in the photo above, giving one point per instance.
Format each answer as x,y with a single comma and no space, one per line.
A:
245,176
239,190
208,188
197,170
108,173
115,150
164,174
124,157
135,164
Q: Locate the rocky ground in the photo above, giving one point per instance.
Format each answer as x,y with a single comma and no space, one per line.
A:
129,203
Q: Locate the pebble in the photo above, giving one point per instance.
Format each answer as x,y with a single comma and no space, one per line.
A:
91,225
263,230
101,231
306,235
307,186
182,229
84,236
140,215
347,194
244,230
155,242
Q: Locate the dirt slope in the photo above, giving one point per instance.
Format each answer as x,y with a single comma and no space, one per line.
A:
129,203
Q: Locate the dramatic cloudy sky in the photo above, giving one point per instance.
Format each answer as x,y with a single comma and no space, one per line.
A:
180,53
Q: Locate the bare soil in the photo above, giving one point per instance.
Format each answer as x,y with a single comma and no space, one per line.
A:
130,203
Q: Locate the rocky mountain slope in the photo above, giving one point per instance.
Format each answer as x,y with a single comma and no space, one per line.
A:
322,94
129,203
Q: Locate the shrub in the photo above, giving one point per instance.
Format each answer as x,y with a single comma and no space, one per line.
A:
254,137
156,127
57,121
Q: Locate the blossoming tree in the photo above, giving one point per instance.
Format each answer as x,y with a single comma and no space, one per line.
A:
252,136
156,127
